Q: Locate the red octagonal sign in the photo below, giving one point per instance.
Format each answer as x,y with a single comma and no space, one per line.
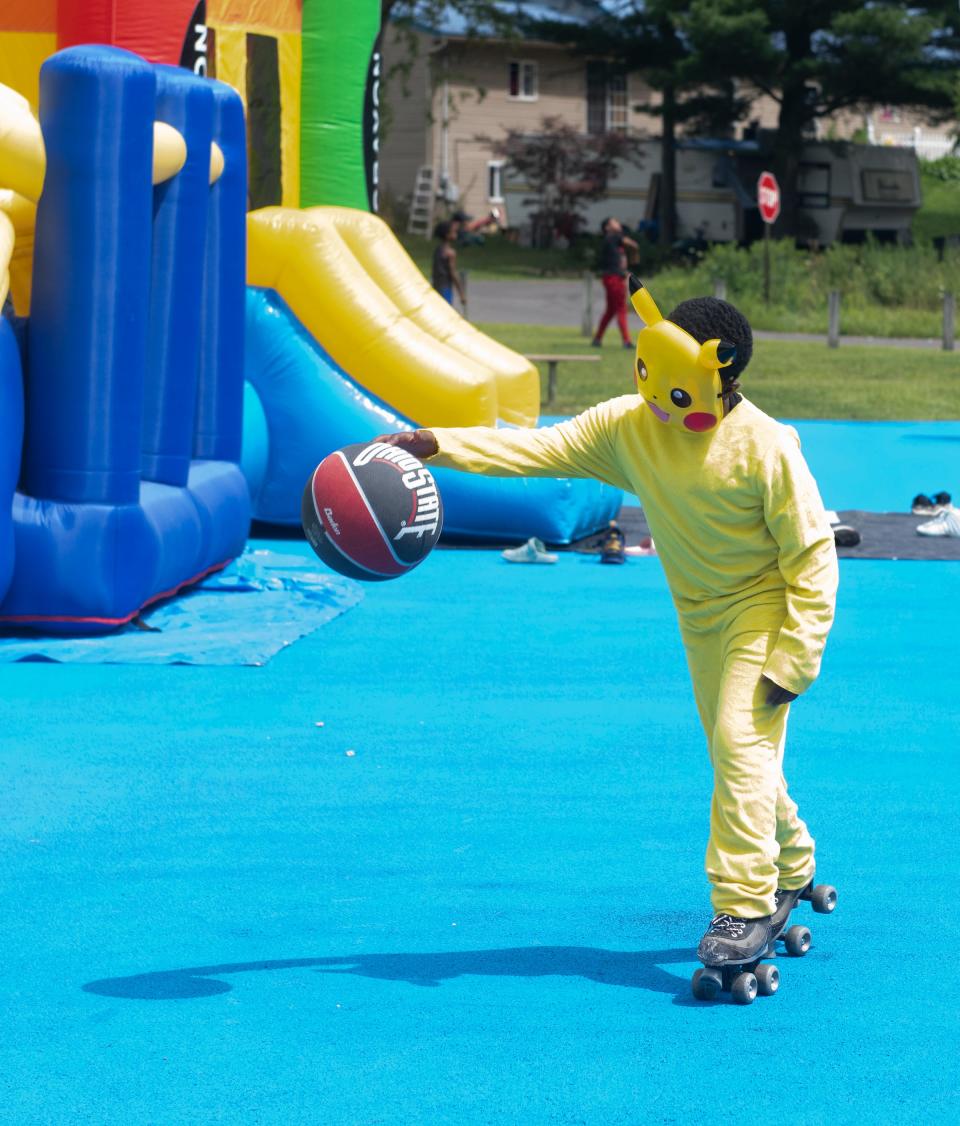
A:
768,197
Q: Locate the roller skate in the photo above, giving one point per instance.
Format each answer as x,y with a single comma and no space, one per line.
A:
733,950
797,939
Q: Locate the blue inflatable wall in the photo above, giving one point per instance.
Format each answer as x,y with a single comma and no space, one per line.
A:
11,439
302,405
130,482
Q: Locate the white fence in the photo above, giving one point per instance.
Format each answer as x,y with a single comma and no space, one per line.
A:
924,142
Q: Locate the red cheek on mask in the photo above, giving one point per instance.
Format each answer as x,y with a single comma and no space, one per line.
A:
700,421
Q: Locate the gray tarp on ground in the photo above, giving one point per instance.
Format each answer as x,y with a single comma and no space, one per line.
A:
883,535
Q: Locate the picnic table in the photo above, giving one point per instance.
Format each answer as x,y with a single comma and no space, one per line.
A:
551,359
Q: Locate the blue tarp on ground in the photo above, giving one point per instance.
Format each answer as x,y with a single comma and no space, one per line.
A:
242,615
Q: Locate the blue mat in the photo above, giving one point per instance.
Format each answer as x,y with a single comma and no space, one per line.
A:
242,615
487,913
879,466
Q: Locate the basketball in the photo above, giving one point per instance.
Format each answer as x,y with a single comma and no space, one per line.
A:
372,511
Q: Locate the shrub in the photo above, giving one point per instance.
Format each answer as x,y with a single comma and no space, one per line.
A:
946,168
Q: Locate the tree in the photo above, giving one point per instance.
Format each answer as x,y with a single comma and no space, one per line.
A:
696,88
564,170
816,57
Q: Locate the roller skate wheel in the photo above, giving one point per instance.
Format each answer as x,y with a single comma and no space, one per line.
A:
705,985
797,941
823,899
768,980
744,988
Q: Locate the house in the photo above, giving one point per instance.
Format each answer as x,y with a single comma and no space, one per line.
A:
455,95
450,95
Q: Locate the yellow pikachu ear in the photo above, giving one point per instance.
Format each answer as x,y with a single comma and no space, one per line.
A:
644,304
716,354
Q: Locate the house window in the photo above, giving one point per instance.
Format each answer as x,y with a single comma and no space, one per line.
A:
596,98
522,80
495,181
606,99
617,103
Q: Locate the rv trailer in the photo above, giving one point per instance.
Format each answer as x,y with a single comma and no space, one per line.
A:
846,191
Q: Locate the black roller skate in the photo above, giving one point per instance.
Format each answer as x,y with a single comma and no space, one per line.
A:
797,939
733,950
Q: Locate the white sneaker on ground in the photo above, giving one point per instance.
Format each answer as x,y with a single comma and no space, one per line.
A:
945,523
533,551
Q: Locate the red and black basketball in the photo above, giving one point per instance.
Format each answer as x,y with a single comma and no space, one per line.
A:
372,511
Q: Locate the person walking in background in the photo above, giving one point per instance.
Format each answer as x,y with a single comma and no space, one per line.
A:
613,274
445,277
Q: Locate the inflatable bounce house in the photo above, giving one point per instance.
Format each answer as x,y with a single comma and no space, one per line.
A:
200,304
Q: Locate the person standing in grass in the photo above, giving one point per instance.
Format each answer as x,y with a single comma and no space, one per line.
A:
613,275
446,279
750,560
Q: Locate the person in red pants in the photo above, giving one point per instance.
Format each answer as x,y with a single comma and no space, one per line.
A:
613,274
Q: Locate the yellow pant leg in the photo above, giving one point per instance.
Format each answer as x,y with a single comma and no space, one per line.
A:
795,862
757,840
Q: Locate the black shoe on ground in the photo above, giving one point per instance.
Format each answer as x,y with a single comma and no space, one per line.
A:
613,545
596,343
845,536
732,940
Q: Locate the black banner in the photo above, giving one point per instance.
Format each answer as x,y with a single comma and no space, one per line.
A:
371,127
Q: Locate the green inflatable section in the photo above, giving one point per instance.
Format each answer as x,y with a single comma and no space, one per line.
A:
338,41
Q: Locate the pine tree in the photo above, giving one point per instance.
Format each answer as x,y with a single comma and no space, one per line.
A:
816,57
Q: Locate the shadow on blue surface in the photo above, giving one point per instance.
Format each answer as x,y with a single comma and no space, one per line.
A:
629,969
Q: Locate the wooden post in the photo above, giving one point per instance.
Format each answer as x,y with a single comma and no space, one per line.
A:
551,382
949,320
720,288
586,325
766,263
833,319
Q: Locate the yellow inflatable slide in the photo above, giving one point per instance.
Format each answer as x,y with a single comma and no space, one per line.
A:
351,284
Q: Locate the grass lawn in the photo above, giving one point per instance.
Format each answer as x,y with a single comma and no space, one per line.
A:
786,380
799,302
939,215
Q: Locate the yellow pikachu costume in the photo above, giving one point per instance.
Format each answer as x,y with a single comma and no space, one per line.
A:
750,560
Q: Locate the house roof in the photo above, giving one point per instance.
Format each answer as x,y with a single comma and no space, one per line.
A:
451,23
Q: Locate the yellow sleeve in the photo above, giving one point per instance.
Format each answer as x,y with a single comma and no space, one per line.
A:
808,562
580,447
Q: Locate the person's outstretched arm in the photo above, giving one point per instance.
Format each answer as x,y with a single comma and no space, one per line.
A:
581,447
808,562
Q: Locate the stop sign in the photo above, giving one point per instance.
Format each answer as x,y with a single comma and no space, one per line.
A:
768,197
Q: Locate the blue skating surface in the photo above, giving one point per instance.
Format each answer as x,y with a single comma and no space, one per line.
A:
214,912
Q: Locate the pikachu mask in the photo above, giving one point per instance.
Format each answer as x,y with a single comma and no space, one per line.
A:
678,377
